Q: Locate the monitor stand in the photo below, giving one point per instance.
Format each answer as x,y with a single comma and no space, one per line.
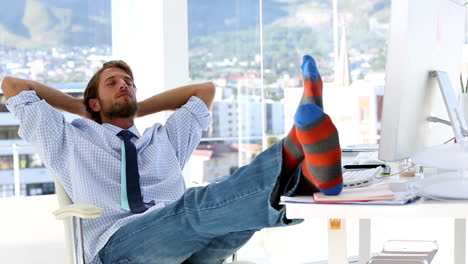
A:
454,156
454,110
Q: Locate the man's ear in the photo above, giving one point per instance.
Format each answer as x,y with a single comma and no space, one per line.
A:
95,105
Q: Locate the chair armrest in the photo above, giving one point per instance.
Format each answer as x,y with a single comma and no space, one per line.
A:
78,210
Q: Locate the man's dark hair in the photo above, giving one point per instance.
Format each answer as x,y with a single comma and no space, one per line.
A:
91,91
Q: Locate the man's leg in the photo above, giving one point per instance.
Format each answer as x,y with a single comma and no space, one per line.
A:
205,214
221,247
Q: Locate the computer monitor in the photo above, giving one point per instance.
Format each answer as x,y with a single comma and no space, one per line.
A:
425,35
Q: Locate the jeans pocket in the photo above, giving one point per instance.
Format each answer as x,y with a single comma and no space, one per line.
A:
123,261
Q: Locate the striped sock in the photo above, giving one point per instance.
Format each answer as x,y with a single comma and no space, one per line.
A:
292,151
319,138
312,83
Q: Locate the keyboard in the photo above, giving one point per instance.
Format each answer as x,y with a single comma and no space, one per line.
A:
360,178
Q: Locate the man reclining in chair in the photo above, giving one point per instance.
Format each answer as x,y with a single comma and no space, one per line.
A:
149,216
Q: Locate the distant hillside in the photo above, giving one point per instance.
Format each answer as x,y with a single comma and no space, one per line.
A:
214,23
37,23
209,16
230,29
32,23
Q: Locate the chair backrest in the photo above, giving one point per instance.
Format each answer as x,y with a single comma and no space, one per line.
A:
64,200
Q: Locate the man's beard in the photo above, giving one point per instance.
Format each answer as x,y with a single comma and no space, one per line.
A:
119,110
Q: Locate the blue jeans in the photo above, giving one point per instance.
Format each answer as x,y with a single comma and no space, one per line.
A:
208,224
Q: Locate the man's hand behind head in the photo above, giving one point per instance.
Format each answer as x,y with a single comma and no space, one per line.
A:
13,86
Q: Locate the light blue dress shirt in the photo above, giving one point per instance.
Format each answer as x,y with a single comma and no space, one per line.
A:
86,156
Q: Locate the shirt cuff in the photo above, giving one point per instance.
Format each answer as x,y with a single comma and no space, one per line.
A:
22,98
199,109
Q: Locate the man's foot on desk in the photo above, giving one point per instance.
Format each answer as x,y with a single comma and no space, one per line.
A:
319,139
313,86
312,82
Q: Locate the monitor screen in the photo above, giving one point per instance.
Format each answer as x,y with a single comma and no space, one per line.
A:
425,35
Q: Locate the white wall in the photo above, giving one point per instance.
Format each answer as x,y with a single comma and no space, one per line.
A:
152,36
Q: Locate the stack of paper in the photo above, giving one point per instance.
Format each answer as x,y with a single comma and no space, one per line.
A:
363,194
390,194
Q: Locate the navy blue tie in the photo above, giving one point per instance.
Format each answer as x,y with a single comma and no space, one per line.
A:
135,199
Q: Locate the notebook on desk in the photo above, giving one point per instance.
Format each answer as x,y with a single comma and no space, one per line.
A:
364,194
384,194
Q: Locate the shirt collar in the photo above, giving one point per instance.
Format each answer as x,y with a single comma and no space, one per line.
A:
115,129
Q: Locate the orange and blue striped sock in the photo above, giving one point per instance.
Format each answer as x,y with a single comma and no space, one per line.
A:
312,82
319,139
293,153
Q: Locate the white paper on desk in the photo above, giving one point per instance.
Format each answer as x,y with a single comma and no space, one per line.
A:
400,199
402,196
380,192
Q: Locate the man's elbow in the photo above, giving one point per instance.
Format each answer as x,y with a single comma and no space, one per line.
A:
211,90
207,94
8,86
6,81
12,86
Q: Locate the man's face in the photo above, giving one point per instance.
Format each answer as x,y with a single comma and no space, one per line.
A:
116,94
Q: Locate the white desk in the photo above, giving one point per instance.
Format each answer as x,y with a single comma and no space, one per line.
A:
457,210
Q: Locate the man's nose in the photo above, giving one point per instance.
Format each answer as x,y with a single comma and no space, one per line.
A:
123,85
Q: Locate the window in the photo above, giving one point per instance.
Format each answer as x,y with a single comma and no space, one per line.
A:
9,132
7,190
224,47
6,162
71,40
2,103
23,161
40,189
35,161
30,161
256,64
59,43
308,28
